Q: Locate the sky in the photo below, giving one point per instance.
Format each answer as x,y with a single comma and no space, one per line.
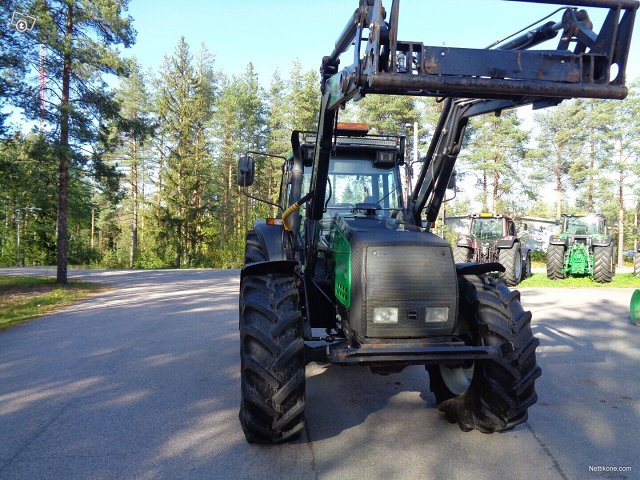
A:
271,34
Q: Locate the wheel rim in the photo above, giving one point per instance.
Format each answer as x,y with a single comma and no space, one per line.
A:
458,379
517,267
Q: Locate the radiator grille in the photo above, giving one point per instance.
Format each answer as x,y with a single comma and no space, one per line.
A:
411,278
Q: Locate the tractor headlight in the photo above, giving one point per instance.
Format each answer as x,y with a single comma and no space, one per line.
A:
385,315
437,315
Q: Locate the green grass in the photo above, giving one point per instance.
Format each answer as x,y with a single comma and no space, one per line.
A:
620,280
23,298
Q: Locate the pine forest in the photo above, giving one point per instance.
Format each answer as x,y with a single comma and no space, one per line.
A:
123,167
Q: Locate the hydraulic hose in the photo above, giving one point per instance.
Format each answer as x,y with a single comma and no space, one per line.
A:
293,208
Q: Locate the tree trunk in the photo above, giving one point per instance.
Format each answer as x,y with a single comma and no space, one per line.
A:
591,170
93,226
133,250
494,193
176,262
558,173
485,192
142,180
621,221
63,187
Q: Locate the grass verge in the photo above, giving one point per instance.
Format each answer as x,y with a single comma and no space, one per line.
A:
620,280
24,297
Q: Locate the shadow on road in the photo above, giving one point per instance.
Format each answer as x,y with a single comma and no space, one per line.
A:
143,382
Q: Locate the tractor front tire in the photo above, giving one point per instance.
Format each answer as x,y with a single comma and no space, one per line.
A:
253,250
511,260
462,254
555,262
500,390
602,264
272,359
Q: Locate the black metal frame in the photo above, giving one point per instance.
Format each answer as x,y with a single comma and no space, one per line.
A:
444,350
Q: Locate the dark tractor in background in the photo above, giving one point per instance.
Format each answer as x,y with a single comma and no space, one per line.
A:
350,273
582,248
493,238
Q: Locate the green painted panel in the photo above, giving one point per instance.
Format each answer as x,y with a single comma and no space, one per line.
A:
340,249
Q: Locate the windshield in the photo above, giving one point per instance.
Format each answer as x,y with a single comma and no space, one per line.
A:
487,227
583,225
353,181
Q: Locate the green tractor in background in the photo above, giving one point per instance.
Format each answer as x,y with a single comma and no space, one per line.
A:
582,248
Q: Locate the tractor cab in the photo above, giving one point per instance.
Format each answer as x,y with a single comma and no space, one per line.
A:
583,227
363,169
364,186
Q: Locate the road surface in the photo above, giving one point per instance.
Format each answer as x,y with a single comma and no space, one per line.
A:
142,382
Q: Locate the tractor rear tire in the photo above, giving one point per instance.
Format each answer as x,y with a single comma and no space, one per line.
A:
462,254
500,390
511,260
636,265
253,250
272,359
602,264
526,270
555,261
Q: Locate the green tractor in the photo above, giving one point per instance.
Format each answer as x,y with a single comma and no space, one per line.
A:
583,248
350,272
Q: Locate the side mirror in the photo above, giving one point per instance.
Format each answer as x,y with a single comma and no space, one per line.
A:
246,170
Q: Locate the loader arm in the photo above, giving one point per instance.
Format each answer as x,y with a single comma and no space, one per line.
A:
473,81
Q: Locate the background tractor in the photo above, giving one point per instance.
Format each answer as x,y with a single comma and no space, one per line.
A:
493,238
582,248
350,272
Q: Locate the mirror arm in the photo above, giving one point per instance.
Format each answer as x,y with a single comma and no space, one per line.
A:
246,192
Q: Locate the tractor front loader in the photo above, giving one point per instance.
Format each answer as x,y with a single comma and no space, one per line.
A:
350,272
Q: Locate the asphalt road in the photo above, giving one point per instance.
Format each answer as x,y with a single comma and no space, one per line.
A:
143,382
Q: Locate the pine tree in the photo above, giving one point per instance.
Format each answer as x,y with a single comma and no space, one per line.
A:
303,98
240,126
14,49
387,114
133,127
79,41
560,142
185,105
495,152
622,138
